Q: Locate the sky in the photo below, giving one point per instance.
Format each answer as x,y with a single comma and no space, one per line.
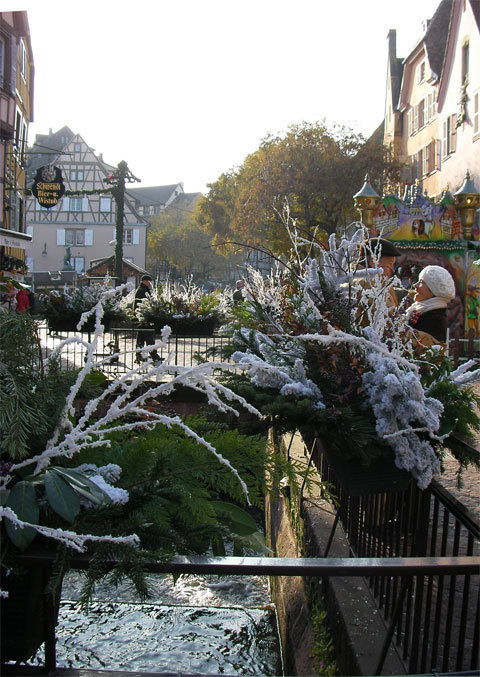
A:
184,90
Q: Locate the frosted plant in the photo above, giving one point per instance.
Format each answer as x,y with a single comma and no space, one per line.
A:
402,412
125,397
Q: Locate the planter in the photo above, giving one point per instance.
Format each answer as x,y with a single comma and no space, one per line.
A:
382,476
70,324
23,612
189,326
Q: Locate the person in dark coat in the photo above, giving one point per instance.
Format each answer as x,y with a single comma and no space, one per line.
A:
144,337
433,292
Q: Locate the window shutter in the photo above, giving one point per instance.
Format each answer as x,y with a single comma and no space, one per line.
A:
66,204
453,128
88,237
85,204
30,231
445,139
136,236
439,154
61,236
415,119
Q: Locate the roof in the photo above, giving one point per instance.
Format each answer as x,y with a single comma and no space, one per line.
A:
154,194
476,11
46,148
95,263
436,36
185,200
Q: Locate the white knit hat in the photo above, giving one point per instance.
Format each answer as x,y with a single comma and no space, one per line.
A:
439,281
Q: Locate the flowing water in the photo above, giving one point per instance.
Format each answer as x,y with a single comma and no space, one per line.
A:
199,624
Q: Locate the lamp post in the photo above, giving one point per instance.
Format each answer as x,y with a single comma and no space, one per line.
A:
467,201
367,201
118,178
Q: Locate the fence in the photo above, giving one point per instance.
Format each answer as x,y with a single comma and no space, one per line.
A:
461,347
117,348
434,620
408,572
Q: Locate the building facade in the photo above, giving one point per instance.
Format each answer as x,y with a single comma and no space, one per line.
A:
16,112
432,117
81,227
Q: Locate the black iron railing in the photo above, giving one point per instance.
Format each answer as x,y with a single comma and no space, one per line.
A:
407,571
117,348
434,620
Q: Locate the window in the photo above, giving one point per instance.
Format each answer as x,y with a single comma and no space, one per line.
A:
23,61
449,135
75,237
421,114
76,175
476,113
430,107
419,165
78,263
77,147
421,69
131,236
105,204
465,61
2,61
76,204
140,210
430,157
410,122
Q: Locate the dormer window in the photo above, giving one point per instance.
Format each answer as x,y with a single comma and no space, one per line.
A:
421,70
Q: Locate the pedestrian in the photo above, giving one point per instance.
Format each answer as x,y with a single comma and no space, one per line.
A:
144,337
21,298
433,292
237,294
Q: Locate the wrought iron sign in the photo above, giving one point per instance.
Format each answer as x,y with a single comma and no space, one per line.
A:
48,186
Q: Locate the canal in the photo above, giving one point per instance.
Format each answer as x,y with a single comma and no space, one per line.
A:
198,624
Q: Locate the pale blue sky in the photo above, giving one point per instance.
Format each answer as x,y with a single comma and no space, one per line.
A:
184,91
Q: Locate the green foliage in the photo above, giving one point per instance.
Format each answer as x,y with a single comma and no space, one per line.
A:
174,236
32,396
323,653
313,168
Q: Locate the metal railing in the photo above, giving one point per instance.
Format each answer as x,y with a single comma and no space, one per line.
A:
409,572
117,348
434,619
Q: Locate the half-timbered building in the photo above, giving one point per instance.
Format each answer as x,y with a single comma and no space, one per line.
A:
81,227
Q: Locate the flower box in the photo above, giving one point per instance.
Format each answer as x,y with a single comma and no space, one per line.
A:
188,326
358,480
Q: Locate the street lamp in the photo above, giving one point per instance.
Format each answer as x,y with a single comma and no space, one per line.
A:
367,201
467,201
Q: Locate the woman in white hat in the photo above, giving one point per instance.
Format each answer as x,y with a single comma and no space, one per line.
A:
433,292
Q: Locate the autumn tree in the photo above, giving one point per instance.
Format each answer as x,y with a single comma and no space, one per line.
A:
175,237
312,169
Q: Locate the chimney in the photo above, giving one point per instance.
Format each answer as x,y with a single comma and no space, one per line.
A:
392,44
